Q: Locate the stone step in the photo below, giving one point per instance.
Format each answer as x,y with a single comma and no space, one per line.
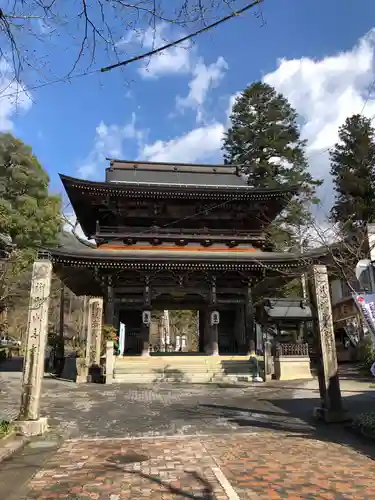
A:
176,372
192,378
184,369
120,362
143,366
204,368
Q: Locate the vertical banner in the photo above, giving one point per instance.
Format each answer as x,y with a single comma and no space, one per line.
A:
366,304
121,341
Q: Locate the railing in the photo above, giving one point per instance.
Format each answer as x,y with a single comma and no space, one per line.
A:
292,350
173,233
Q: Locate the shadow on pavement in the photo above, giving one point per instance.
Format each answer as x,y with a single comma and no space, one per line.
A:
12,365
71,487
295,416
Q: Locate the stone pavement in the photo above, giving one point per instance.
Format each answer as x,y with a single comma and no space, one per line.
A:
267,465
90,410
195,441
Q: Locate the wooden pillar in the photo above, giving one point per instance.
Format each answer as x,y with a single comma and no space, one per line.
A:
331,409
241,329
29,421
110,302
146,317
201,321
213,325
249,321
207,331
60,351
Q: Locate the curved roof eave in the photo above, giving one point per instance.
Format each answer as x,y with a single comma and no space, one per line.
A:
121,186
87,254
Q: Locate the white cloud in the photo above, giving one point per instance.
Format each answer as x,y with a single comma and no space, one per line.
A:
13,99
204,78
176,59
196,145
109,142
325,92
232,100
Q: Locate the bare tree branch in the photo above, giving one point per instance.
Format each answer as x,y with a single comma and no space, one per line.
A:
91,31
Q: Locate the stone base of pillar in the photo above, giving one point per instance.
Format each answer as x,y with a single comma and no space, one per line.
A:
31,427
211,351
145,352
214,349
331,416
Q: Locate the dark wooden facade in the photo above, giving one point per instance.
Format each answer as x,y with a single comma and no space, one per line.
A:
176,236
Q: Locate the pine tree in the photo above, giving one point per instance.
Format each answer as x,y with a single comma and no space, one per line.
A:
353,173
264,138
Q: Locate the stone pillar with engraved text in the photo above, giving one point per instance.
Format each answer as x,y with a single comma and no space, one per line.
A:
94,331
29,421
329,384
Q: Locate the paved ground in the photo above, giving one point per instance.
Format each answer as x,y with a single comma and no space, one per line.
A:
197,441
267,465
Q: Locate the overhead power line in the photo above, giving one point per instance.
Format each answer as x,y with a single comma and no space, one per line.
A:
183,39
24,90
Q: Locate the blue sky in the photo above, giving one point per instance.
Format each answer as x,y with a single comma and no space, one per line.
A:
313,51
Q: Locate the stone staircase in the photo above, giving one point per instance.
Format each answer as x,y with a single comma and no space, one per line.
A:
184,369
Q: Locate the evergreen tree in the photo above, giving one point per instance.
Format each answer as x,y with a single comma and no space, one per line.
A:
353,173
28,213
264,139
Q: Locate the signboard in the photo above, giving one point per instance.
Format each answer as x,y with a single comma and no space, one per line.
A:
344,310
121,340
366,304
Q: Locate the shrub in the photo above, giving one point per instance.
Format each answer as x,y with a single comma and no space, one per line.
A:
5,428
365,422
109,332
3,354
367,354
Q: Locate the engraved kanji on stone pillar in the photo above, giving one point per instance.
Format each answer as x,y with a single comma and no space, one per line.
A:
329,384
94,331
325,321
36,340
